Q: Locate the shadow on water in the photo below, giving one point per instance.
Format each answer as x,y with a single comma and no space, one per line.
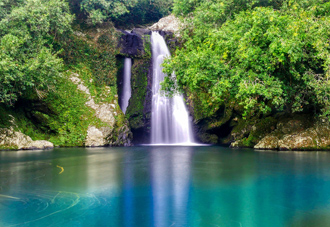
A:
164,186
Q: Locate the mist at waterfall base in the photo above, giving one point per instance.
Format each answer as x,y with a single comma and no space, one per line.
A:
127,90
170,124
164,186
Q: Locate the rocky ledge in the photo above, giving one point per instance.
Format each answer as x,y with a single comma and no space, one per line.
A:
167,24
297,134
16,140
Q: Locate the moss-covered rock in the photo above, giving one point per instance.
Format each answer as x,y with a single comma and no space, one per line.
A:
214,129
247,133
12,138
138,111
139,83
298,133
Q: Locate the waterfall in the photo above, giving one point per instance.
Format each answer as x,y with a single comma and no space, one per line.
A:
170,119
127,90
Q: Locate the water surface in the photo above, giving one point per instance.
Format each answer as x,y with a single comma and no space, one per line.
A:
164,186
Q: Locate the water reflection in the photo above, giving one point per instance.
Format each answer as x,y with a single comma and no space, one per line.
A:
164,186
170,183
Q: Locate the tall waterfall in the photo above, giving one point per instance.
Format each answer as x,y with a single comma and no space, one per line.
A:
127,90
170,119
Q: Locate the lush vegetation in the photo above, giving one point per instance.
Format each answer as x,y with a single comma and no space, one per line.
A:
256,56
28,63
43,43
37,35
121,12
40,49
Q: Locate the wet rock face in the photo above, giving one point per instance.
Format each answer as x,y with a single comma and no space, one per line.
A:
131,44
141,31
123,137
139,109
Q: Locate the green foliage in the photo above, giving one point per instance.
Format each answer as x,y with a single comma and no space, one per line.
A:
184,7
262,58
38,53
139,83
98,52
123,12
70,116
27,60
139,89
99,10
144,12
18,118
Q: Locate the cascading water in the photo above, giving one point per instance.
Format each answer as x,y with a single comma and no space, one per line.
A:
170,119
127,90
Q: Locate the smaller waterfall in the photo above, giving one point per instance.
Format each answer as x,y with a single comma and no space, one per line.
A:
127,90
170,119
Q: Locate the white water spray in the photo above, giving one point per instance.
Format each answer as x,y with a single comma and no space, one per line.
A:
127,90
170,119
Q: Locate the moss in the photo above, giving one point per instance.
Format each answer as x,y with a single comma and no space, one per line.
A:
8,148
21,117
61,116
220,119
4,117
70,118
139,84
208,138
247,133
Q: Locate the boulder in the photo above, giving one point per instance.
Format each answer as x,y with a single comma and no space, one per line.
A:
297,135
269,142
39,145
16,140
97,137
167,24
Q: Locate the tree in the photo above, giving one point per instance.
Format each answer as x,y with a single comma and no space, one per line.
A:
142,11
27,60
100,10
260,58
